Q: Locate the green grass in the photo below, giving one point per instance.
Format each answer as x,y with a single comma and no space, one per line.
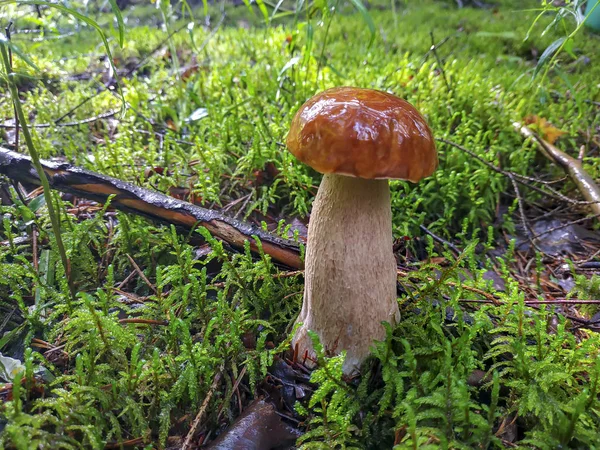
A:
110,382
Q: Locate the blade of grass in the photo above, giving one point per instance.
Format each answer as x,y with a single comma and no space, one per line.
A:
78,16
18,52
249,7
54,218
554,50
360,7
117,13
263,10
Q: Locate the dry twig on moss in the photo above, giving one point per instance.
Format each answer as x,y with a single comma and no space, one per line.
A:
154,205
190,436
573,167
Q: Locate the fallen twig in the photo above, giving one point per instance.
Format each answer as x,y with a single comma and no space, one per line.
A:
565,225
157,206
441,240
584,182
141,273
539,302
521,179
137,442
440,65
66,124
188,439
490,298
143,321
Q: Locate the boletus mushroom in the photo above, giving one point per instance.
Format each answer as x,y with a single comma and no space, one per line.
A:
358,138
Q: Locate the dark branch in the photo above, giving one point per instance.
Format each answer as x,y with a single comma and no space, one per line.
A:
151,204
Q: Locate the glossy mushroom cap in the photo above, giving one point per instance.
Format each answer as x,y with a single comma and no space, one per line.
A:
363,133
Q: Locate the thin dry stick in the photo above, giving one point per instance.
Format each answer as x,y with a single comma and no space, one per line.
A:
565,225
7,318
66,124
521,179
534,303
490,297
572,166
72,110
433,49
143,321
562,302
441,240
188,439
126,280
137,442
141,274
235,386
131,298
588,259
525,224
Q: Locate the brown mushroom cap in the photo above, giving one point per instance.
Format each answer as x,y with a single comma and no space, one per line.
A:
363,133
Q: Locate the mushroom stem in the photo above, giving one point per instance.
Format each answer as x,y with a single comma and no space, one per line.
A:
350,275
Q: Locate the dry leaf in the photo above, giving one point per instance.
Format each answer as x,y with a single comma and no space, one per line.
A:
171,125
259,427
547,131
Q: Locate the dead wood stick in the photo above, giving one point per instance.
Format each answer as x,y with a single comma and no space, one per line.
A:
138,320
573,167
105,115
541,302
491,298
151,204
188,439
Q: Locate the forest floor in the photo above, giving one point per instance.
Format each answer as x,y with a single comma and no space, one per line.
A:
161,337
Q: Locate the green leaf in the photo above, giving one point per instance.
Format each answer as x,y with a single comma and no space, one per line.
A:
498,34
117,12
334,70
4,41
37,203
249,7
568,47
288,65
299,6
277,6
548,53
308,44
263,10
366,17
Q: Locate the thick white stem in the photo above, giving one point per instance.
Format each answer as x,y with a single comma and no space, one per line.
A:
350,274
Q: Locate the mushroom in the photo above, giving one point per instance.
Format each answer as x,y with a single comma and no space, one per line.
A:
358,138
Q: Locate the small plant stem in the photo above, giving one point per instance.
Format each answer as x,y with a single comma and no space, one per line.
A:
187,443
557,52
320,61
7,31
35,158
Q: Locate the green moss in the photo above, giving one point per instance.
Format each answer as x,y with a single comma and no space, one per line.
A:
117,381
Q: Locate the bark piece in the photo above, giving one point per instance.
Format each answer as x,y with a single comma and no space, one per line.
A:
151,204
258,428
573,167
